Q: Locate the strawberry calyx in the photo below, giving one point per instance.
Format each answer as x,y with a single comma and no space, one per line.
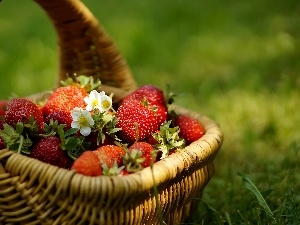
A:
115,170
15,139
105,124
133,160
86,82
19,137
51,129
168,139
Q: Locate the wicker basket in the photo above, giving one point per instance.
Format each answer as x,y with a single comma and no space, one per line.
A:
32,192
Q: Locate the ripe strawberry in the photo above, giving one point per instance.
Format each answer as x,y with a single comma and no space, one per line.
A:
155,99
92,138
87,164
3,104
136,121
20,110
124,172
140,155
190,128
65,99
108,154
48,150
2,144
61,117
151,140
153,94
161,113
1,123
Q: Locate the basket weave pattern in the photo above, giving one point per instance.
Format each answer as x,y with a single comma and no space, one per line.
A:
32,192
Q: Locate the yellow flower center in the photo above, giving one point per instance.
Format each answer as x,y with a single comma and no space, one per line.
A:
83,122
95,102
105,104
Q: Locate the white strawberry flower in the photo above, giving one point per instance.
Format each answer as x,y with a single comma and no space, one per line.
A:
82,120
106,103
93,101
98,100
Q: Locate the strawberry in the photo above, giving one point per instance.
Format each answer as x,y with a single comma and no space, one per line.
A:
190,129
136,121
2,143
93,137
1,123
65,99
108,154
151,139
161,113
124,172
61,117
153,94
3,104
155,99
87,164
139,155
22,110
48,150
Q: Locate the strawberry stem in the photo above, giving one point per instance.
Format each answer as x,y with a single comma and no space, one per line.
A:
21,144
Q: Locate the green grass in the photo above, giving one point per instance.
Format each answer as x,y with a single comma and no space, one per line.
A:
234,61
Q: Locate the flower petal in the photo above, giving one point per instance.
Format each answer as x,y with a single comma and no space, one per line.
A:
75,124
85,131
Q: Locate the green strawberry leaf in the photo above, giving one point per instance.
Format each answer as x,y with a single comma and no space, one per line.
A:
72,143
71,131
19,127
75,146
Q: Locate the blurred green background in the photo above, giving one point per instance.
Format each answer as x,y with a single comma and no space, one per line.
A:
234,61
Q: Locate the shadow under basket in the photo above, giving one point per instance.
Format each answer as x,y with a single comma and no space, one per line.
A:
33,192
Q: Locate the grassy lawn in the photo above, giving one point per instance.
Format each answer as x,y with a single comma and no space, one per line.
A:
235,61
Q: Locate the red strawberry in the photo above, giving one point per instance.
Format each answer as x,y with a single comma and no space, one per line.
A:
87,164
2,144
61,117
136,121
65,99
48,150
153,94
151,140
1,123
3,104
108,154
92,138
124,172
161,113
190,129
155,99
141,150
20,110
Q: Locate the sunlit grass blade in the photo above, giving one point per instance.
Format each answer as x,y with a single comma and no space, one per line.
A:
249,184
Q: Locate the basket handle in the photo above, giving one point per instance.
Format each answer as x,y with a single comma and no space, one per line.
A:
84,46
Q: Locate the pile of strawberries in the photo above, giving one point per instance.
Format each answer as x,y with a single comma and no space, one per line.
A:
78,128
